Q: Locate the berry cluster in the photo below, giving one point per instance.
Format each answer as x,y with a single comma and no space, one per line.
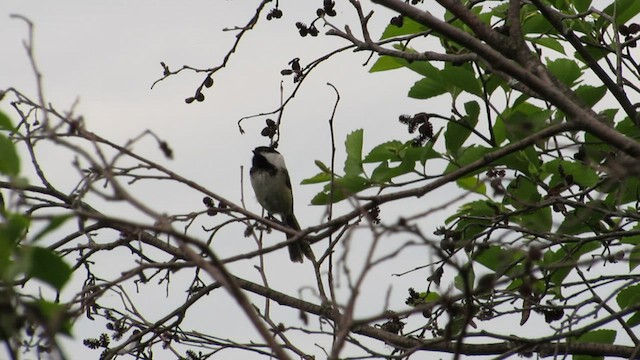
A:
93,343
166,149
211,208
421,122
305,30
414,298
628,32
269,130
397,20
199,96
496,176
295,69
495,173
327,9
374,215
274,14
394,325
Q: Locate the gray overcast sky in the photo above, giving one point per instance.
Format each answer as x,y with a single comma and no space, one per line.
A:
106,55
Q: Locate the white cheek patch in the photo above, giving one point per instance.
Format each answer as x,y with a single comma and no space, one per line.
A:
275,159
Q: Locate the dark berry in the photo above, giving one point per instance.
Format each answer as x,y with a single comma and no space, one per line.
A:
397,21
624,30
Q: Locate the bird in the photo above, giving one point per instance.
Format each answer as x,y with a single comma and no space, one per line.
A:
272,186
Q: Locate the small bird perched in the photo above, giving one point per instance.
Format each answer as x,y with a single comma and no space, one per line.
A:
271,183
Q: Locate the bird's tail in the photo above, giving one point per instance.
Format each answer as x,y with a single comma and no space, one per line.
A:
300,247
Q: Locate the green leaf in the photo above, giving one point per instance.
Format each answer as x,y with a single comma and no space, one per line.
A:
595,149
427,88
46,265
632,239
524,196
499,259
383,173
630,297
317,178
596,52
427,153
499,131
627,298
468,155
537,219
323,176
550,43
458,131
423,68
394,151
463,78
623,10
525,161
600,336
9,160
582,220
523,193
12,230
562,261
55,315
353,146
5,122
472,218
634,258
582,5
523,120
634,319
581,26
465,283
578,172
322,198
567,71
536,23
342,189
388,151
430,297
322,166
385,63
561,4
472,183
590,95
493,83
54,223
628,128
408,27
473,110
622,191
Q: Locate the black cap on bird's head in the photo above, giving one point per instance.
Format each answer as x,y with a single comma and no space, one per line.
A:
267,158
265,149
